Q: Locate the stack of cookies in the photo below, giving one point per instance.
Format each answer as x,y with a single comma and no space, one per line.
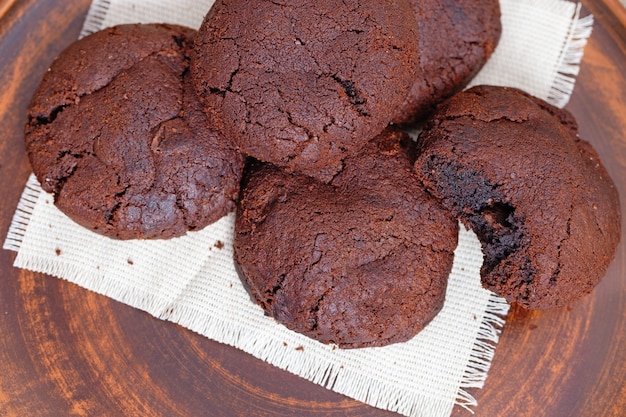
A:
294,113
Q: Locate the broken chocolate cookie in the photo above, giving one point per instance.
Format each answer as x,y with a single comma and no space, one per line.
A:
513,168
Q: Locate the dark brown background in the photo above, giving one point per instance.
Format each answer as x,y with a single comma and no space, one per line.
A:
65,351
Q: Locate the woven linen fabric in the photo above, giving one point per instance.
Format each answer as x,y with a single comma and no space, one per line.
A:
192,280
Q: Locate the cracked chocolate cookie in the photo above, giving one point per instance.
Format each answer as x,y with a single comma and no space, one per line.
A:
362,261
117,134
512,167
456,38
304,84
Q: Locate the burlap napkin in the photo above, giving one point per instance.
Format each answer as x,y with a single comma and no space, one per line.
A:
192,280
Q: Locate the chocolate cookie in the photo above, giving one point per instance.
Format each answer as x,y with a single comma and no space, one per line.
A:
543,206
304,84
116,133
456,38
363,261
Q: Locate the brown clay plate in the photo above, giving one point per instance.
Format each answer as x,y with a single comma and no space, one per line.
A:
65,351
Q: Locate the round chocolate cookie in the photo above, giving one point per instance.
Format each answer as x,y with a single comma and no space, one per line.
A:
304,84
512,167
363,261
456,38
117,134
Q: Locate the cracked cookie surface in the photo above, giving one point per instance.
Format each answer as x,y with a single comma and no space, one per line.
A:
456,38
304,84
362,261
116,133
545,210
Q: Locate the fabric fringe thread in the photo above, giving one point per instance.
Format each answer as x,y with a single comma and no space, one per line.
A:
572,54
22,215
95,17
338,379
483,351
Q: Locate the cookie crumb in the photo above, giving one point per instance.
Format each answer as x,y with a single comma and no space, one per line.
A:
130,261
57,251
300,348
219,244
